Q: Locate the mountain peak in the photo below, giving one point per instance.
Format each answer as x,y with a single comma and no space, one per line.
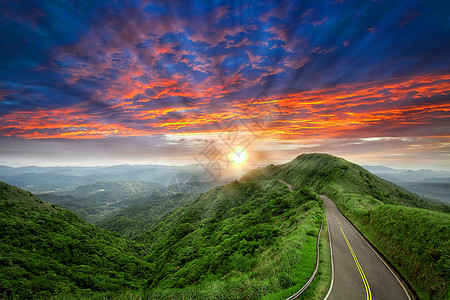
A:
328,174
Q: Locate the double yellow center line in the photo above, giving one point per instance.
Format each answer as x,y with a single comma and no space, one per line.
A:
361,272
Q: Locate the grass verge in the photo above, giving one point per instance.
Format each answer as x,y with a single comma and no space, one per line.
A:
319,287
415,241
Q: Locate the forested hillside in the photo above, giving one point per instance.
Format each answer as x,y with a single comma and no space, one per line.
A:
246,239
257,235
46,250
406,228
98,201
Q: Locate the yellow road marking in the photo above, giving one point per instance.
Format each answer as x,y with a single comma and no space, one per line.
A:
361,272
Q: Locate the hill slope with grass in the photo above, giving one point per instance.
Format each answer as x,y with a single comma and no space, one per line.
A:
46,250
243,240
413,233
328,174
248,239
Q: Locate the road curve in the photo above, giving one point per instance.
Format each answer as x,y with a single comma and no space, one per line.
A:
357,270
288,185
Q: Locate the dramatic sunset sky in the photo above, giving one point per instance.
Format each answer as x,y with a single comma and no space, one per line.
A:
113,82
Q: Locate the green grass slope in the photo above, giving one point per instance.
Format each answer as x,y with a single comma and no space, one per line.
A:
416,241
328,174
410,231
46,250
142,213
243,240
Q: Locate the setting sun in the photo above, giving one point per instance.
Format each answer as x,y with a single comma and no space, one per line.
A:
239,156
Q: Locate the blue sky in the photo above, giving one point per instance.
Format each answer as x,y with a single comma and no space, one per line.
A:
371,73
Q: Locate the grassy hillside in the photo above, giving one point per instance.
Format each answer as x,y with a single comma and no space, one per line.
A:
417,232
142,213
325,172
46,250
244,239
416,241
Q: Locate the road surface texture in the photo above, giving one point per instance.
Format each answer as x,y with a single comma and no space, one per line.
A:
357,271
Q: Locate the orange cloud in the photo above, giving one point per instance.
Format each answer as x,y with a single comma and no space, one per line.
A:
364,109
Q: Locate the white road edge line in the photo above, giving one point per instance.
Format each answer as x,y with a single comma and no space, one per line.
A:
331,257
393,273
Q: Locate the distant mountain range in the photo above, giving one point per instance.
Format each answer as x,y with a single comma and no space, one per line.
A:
127,206
97,201
428,183
403,175
44,180
50,179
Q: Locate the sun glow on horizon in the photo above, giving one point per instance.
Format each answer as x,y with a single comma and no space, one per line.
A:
239,156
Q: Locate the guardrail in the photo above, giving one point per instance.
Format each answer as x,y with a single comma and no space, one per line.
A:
300,291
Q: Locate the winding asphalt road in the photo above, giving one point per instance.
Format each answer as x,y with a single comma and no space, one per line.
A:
357,270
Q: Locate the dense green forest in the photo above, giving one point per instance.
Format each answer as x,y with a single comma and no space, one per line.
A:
126,207
247,239
46,250
229,237
229,232
144,211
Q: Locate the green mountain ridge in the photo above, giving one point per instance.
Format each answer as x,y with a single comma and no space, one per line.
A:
225,236
406,228
328,174
46,250
246,239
